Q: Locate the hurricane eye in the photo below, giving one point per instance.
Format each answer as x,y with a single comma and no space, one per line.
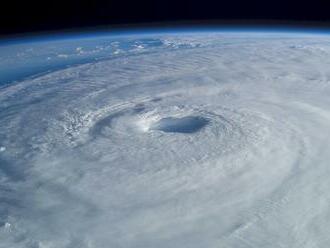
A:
188,124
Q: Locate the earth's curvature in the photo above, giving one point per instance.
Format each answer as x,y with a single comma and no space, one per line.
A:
201,139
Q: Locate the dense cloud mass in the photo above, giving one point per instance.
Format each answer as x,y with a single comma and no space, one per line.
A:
175,140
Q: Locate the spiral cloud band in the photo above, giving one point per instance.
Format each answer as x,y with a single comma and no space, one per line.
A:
176,140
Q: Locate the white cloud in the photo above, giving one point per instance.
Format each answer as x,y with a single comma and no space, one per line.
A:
80,166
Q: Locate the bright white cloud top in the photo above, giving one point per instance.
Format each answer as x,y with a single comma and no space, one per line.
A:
172,140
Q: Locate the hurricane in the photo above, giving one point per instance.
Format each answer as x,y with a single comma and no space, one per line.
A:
206,139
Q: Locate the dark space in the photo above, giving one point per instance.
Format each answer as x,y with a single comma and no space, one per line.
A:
30,16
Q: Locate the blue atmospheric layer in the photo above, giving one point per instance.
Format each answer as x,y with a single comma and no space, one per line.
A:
31,56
